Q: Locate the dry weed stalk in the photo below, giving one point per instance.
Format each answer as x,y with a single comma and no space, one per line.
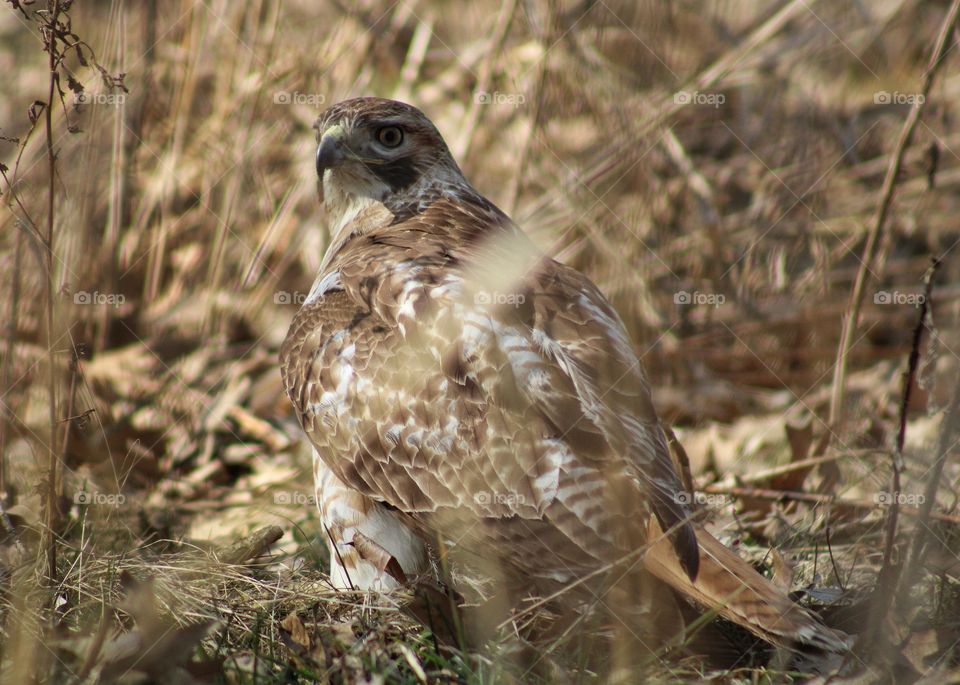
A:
52,34
890,570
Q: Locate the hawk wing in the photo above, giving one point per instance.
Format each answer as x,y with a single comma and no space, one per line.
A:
424,389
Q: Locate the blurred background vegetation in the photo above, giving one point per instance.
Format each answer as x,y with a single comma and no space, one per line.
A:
715,167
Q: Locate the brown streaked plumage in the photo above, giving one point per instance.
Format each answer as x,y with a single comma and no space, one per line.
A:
457,383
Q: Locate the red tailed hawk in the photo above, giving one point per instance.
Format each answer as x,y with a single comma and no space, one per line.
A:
457,385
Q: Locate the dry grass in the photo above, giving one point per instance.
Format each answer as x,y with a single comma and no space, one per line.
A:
732,153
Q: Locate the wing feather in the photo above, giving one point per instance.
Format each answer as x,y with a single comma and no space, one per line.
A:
422,394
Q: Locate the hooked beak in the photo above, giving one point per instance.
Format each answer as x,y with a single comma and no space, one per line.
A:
330,152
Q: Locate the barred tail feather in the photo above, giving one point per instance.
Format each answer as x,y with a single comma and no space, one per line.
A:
731,587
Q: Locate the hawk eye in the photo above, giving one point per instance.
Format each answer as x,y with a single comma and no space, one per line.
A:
390,136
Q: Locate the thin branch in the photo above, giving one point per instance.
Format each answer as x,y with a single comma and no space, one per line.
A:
852,319
836,503
948,432
890,571
52,496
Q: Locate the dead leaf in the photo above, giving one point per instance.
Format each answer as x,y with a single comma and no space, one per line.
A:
782,571
297,632
379,557
800,438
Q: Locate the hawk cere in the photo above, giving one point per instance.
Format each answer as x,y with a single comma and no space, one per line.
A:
464,392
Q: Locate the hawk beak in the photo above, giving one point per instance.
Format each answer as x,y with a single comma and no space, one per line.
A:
330,152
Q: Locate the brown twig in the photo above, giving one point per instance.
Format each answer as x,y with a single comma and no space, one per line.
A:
852,318
69,418
890,571
833,561
771,473
51,38
948,431
814,498
11,327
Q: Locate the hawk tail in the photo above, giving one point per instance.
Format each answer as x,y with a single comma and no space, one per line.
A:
731,587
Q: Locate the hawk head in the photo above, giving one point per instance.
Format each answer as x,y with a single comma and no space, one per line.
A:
374,150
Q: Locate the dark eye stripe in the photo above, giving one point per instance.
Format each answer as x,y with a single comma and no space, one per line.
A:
398,174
